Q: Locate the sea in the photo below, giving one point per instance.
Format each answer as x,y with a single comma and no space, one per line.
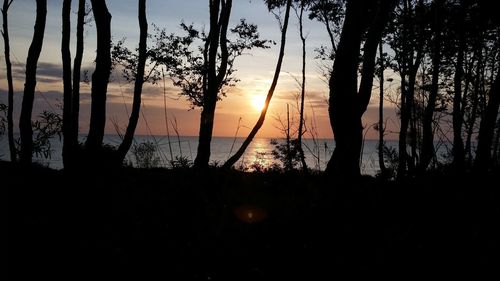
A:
259,153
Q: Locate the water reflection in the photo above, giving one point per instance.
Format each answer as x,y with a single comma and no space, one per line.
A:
258,155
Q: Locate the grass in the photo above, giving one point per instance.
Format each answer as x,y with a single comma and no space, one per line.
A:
182,225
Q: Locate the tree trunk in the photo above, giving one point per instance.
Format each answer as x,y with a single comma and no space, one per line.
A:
77,65
427,131
472,122
410,63
303,91
458,144
209,102
218,33
343,109
381,127
25,129
8,66
405,109
100,77
496,144
233,159
67,89
346,108
139,81
486,130
403,131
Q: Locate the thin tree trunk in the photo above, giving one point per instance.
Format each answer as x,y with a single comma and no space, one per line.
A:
330,33
409,76
30,84
67,89
403,131
166,117
100,77
233,159
303,91
8,66
381,126
471,123
412,78
412,114
289,160
77,65
427,131
139,81
487,128
374,36
458,144
218,33
496,144
405,109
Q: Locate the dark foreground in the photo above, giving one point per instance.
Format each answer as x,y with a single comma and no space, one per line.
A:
180,225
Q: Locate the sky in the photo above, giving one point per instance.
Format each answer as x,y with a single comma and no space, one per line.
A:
254,69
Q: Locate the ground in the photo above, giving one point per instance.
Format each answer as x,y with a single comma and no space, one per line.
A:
183,225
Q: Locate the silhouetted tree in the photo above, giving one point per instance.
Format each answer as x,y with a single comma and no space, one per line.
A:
428,151
347,104
25,129
458,144
204,74
471,100
302,6
487,128
486,131
139,81
8,66
67,92
381,126
271,5
219,22
100,77
331,13
407,37
71,82
77,65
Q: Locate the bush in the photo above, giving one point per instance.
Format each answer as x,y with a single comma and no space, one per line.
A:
287,153
181,162
145,154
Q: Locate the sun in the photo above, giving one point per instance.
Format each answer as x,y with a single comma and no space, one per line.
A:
258,102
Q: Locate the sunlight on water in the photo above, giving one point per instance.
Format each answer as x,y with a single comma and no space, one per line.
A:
258,155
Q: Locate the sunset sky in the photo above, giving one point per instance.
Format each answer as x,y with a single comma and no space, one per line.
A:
255,70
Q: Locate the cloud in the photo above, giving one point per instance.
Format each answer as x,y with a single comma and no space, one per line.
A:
46,72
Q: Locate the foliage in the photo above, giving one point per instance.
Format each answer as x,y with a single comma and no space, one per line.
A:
286,153
46,127
145,154
126,61
181,162
391,161
185,57
331,13
328,12
275,4
3,118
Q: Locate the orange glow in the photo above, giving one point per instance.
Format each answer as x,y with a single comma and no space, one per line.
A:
250,214
258,102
